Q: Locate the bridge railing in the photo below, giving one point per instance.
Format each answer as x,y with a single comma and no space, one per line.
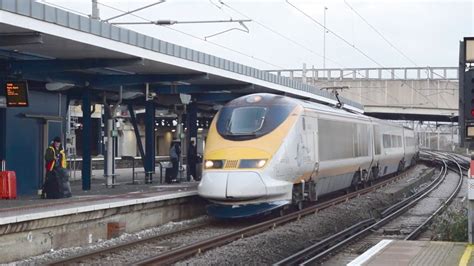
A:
394,73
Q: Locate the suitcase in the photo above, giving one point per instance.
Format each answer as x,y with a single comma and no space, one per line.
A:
7,183
53,187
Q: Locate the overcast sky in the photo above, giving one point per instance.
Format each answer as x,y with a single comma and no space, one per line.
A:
418,32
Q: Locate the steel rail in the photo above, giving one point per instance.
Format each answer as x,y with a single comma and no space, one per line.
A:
415,233
181,253
338,240
102,251
342,242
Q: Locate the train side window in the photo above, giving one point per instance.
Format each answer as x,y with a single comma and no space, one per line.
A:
393,141
386,141
409,141
336,139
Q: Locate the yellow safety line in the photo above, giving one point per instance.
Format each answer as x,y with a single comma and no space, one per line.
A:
466,256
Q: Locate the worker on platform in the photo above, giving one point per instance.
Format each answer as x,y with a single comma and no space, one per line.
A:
54,156
56,184
192,160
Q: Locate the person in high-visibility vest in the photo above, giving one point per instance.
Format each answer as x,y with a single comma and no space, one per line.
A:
54,156
56,182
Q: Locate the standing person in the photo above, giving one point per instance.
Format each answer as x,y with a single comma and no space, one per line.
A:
192,159
55,164
175,152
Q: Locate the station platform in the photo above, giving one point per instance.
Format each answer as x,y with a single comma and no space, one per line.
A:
99,197
40,225
399,252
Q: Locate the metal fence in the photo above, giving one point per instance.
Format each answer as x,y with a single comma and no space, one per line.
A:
394,73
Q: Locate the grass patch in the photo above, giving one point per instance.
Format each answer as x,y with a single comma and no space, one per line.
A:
451,226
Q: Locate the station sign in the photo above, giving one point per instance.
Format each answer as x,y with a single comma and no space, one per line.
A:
469,130
16,93
469,49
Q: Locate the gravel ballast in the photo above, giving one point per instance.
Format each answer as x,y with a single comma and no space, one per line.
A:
272,246
265,248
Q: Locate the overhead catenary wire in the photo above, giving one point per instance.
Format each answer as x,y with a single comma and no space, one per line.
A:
391,44
199,38
135,10
352,46
395,48
290,40
276,32
380,34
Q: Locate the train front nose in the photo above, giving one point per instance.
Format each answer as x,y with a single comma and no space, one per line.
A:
240,185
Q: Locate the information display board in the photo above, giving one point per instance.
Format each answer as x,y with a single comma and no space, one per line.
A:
469,49
16,93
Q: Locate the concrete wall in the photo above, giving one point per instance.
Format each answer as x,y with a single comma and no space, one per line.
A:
407,90
40,236
420,96
27,138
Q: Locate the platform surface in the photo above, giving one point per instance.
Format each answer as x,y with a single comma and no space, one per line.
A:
398,252
27,208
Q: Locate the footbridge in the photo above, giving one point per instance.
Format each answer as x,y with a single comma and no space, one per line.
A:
418,93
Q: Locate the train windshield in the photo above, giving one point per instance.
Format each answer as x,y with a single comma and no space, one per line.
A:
246,120
249,122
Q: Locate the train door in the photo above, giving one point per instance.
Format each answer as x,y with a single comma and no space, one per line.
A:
310,140
315,148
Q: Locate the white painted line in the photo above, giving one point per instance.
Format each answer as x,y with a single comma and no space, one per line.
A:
94,207
370,253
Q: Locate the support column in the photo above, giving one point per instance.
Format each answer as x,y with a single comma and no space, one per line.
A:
133,119
86,139
191,118
3,133
437,144
470,196
149,140
101,131
3,126
109,148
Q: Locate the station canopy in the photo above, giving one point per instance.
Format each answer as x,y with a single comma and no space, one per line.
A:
62,51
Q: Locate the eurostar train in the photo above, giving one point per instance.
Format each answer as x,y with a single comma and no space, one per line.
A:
265,151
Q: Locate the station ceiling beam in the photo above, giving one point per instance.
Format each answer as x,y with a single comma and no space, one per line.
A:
217,97
58,65
117,80
20,38
14,54
109,82
174,89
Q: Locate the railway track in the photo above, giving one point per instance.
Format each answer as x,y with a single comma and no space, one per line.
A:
187,250
201,246
330,246
88,256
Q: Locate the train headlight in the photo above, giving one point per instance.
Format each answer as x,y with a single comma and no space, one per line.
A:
213,164
255,163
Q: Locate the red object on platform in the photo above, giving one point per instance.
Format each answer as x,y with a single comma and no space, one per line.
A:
7,185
